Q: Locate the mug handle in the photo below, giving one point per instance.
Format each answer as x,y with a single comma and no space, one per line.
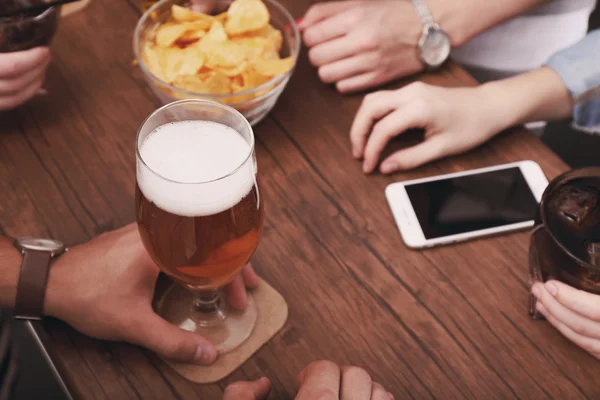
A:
535,268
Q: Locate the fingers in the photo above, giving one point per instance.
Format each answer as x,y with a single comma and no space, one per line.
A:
356,384
203,6
588,344
257,390
362,82
583,303
415,156
578,328
236,294
328,29
251,278
375,106
12,101
319,380
335,71
18,63
321,11
154,333
14,85
236,290
578,323
410,116
379,393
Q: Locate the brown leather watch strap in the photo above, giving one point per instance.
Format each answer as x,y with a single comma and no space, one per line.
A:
31,289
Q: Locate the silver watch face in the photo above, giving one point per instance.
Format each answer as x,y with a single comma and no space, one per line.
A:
435,46
53,246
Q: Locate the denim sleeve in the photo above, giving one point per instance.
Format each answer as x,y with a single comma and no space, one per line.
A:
579,68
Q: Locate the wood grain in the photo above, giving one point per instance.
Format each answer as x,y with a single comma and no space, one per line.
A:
444,323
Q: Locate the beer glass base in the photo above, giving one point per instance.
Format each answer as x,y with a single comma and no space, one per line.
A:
224,326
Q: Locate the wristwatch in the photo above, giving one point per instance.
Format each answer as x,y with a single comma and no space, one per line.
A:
31,289
434,44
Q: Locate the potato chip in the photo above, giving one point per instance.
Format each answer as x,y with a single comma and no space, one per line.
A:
253,79
183,14
191,83
226,54
256,47
269,33
214,83
152,61
246,16
216,33
235,71
176,62
190,37
169,33
273,67
222,18
218,83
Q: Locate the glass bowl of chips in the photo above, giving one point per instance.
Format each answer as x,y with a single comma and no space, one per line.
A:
238,52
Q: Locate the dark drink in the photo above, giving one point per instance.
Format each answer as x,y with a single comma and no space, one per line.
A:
565,244
26,31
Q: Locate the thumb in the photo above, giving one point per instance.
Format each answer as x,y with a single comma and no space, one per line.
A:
169,341
415,156
257,390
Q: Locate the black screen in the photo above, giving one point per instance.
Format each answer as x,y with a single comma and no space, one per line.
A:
470,203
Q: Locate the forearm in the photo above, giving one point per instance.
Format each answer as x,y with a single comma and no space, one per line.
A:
539,95
10,264
464,19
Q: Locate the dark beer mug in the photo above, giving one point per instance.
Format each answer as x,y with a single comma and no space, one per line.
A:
26,31
565,243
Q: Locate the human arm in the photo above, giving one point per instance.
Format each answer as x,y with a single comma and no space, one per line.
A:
454,119
104,289
360,44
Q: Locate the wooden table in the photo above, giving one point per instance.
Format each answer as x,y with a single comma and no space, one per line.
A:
444,323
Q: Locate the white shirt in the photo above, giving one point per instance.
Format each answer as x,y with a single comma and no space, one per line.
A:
525,42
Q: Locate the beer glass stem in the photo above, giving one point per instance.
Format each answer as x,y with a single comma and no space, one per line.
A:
209,308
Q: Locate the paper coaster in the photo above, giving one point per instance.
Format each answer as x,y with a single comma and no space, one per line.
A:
71,8
272,314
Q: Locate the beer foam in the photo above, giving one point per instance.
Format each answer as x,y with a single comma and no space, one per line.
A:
191,152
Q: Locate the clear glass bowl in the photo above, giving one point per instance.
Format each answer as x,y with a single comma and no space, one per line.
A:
28,31
255,103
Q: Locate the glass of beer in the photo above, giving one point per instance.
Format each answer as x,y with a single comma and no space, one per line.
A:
565,244
199,213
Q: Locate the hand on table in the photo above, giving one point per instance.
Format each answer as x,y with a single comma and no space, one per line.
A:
455,120
22,74
104,288
575,313
319,380
362,44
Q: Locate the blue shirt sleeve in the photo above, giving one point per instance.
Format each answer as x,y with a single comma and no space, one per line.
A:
579,68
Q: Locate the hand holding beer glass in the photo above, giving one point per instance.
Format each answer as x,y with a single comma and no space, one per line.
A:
199,213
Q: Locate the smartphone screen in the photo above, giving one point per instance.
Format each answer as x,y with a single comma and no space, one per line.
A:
470,203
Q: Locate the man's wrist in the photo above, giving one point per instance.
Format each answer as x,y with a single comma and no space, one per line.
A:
57,289
10,265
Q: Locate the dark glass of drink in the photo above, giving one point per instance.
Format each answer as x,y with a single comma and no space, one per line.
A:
199,213
565,244
26,31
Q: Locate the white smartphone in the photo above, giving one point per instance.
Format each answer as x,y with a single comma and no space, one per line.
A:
456,207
